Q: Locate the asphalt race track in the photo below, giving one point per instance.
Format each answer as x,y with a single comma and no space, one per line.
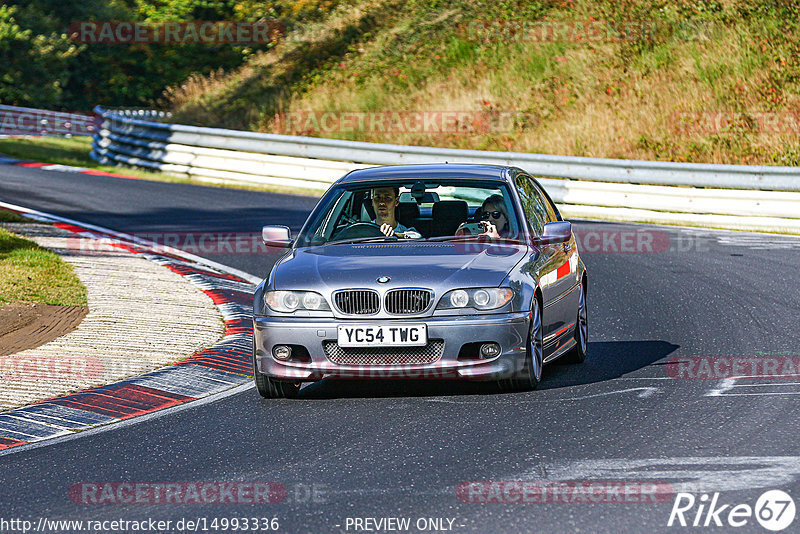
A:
383,449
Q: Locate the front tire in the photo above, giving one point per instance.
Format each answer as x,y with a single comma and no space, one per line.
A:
528,379
269,388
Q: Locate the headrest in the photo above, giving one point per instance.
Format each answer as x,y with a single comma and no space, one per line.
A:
369,208
407,211
451,209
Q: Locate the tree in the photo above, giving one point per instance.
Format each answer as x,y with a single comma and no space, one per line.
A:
34,66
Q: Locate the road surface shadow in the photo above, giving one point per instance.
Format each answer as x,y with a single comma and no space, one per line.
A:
606,360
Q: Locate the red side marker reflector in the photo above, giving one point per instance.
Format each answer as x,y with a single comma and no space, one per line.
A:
563,270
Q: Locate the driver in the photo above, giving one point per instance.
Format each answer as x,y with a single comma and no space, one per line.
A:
385,201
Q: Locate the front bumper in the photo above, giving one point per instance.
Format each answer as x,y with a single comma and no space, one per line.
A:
509,330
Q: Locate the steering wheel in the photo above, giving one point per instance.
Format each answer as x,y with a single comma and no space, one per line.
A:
358,230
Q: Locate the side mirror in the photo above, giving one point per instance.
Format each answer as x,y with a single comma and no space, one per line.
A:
276,236
555,232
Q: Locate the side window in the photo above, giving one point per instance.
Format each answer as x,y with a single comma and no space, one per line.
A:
552,213
533,203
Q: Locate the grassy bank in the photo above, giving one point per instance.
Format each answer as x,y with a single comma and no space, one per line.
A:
29,273
709,81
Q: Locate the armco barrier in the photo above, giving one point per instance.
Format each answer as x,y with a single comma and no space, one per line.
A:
728,196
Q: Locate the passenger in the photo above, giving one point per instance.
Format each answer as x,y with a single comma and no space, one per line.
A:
493,214
385,201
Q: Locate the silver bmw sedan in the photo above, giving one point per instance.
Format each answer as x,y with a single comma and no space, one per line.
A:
422,272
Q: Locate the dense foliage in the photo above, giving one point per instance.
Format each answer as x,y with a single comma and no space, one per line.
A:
705,80
40,66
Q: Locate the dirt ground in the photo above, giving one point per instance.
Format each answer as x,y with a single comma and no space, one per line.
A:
26,325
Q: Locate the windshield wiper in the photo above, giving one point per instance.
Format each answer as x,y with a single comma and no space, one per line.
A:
443,238
359,240
491,240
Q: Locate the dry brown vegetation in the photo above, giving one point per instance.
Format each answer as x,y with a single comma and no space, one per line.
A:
630,97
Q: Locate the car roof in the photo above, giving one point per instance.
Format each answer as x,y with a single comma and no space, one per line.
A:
423,171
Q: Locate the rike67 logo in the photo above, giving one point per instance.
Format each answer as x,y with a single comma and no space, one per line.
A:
774,510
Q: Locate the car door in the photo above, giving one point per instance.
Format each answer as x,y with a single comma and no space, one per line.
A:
535,206
565,256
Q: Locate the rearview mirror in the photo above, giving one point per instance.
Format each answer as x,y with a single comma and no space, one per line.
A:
276,236
555,232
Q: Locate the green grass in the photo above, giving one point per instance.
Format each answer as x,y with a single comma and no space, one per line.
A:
72,151
11,217
29,273
75,152
64,151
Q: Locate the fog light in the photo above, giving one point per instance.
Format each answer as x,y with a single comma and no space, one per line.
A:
282,352
490,350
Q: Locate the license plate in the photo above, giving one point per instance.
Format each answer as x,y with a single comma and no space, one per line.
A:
372,335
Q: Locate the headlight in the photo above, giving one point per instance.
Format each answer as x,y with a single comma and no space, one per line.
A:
312,301
289,301
459,298
483,298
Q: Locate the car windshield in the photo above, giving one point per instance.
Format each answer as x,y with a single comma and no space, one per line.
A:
416,209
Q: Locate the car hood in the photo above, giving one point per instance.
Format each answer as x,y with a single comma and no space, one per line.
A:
428,265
